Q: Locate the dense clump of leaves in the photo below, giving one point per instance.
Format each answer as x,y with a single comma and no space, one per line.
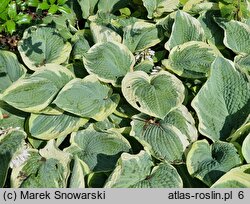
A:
125,93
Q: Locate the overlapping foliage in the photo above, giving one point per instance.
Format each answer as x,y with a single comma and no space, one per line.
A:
127,93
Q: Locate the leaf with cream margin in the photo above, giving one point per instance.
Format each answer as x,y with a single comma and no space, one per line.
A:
219,110
102,33
100,150
10,69
11,142
156,8
141,35
11,117
185,28
138,171
47,168
77,97
155,95
192,59
43,45
109,61
47,127
238,177
166,139
209,162
35,92
236,36
79,171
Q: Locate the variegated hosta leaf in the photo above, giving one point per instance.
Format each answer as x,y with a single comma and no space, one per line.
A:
81,46
238,177
10,69
11,117
156,8
162,176
154,95
79,171
209,163
190,4
102,33
109,61
192,59
36,92
184,121
243,61
141,35
200,6
145,65
185,28
236,36
167,139
130,169
99,150
135,171
246,148
48,127
11,143
88,98
46,168
218,109
52,109
43,45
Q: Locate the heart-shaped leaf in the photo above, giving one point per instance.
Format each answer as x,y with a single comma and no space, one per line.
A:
47,168
153,95
99,150
134,171
10,69
192,59
77,97
43,45
141,35
11,141
219,113
209,163
166,139
36,92
185,28
109,61
238,177
48,127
